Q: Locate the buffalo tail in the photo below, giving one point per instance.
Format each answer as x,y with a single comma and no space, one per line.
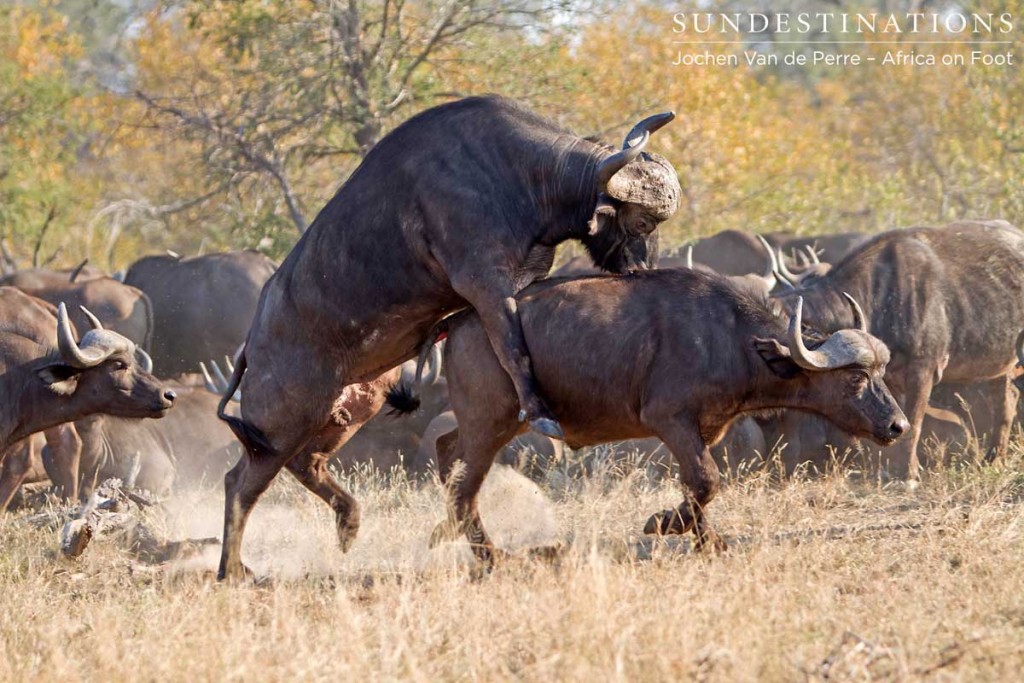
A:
403,397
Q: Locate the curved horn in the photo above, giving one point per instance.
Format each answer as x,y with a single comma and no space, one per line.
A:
72,354
859,319
77,271
222,381
813,254
211,386
434,364
649,125
773,263
786,273
93,320
802,356
617,161
145,360
1020,348
689,257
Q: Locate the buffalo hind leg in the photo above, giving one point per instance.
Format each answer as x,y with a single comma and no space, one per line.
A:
243,485
700,477
475,452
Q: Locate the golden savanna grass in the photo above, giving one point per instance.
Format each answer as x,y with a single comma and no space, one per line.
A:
839,577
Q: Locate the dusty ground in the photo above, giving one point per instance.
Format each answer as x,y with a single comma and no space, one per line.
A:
835,578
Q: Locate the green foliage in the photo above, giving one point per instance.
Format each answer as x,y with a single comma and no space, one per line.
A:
194,124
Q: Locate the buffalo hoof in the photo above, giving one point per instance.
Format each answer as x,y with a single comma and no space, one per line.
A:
548,553
347,536
548,427
711,543
237,575
668,523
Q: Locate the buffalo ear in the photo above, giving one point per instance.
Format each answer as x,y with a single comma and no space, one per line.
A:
60,378
777,357
604,213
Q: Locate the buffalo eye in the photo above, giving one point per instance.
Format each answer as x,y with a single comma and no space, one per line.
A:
859,382
120,365
643,226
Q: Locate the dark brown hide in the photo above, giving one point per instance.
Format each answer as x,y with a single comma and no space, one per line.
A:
202,306
948,303
462,205
676,354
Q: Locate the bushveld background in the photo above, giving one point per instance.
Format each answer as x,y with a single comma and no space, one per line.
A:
133,126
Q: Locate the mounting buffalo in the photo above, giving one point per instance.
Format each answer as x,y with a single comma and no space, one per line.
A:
947,302
677,354
48,378
462,205
202,306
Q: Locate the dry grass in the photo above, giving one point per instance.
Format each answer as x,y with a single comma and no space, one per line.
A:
833,578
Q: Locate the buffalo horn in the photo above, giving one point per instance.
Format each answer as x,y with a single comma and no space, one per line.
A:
689,257
434,365
802,356
1020,348
649,125
74,355
617,161
859,320
785,271
145,360
93,320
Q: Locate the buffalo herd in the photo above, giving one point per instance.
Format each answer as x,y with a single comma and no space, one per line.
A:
732,348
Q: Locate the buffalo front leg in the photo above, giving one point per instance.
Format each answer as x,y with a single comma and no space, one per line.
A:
62,458
496,305
356,405
903,461
1004,411
17,464
310,468
701,480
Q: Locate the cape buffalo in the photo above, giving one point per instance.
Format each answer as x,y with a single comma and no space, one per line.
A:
677,354
188,447
202,306
119,307
38,278
47,378
947,301
462,205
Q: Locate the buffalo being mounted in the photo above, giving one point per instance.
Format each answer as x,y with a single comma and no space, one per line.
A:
676,354
462,205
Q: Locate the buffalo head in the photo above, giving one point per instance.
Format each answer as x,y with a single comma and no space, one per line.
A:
842,377
104,372
636,191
